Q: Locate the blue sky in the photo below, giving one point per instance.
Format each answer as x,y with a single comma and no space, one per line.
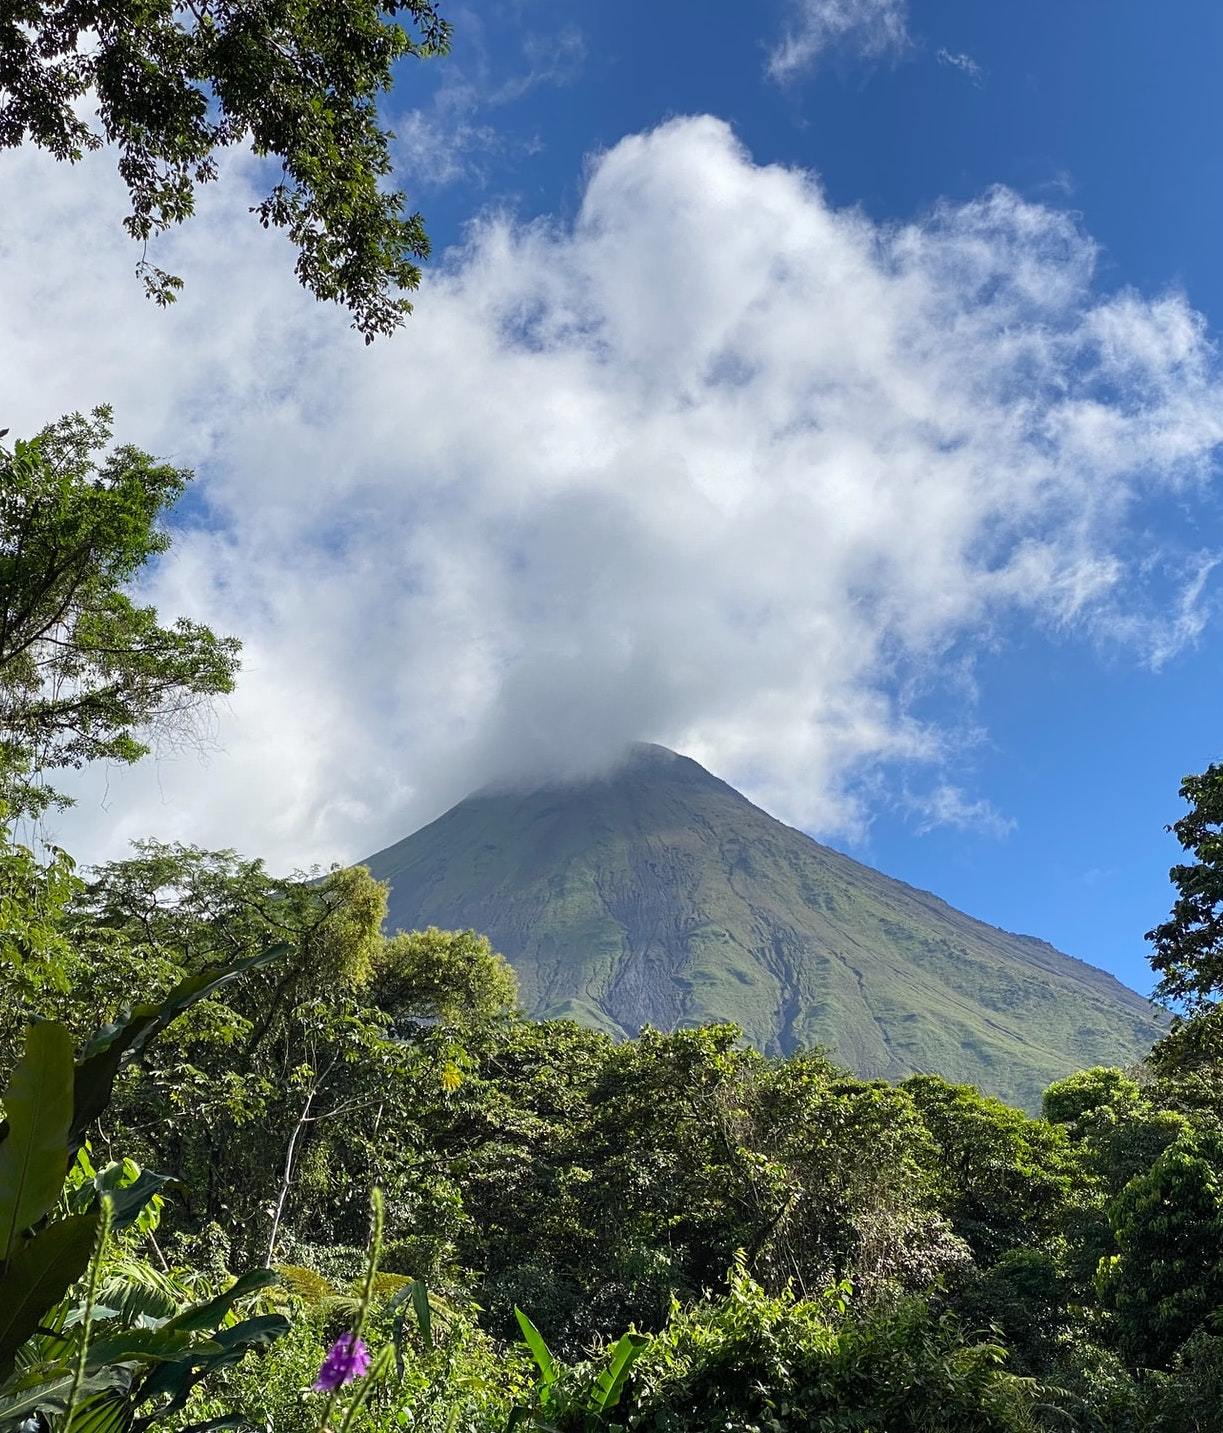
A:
1111,110
827,388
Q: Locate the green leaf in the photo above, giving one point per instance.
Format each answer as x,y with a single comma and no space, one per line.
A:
128,1201
317,1292
39,1276
24,1396
540,1351
146,1346
115,1044
129,1300
417,1293
177,1379
107,1412
424,1314
610,1383
209,1315
34,1155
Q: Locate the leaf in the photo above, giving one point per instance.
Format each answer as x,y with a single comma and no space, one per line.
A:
415,1292
424,1315
177,1379
25,1396
610,1383
115,1044
540,1351
310,1286
108,1412
131,1293
34,1155
386,1284
129,1200
39,1276
207,1316
145,1346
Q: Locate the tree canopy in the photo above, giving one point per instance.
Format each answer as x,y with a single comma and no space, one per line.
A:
85,672
1187,950
697,1231
1188,946
174,82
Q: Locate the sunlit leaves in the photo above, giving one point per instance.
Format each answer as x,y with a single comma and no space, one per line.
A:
176,83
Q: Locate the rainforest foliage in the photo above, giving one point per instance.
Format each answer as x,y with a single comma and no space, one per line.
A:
169,85
668,1233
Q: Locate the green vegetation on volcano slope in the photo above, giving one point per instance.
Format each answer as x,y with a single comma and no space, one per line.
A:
659,895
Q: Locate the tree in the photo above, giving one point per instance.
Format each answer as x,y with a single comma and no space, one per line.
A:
1116,1129
1167,1275
85,673
1115,1125
283,1103
37,962
1004,1179
175,81
599,1179
855,1196
446,977
669,1192
511,1144
263,1072
1188,954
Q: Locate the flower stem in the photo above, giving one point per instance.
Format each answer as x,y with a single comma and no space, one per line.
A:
377,1220
105,1215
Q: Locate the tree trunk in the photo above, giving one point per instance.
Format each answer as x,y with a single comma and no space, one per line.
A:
286,1178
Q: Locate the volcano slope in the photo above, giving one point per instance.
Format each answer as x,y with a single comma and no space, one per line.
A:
660,895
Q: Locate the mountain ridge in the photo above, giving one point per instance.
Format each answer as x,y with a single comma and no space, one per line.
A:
656,893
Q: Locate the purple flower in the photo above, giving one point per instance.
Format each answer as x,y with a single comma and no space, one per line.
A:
346,1359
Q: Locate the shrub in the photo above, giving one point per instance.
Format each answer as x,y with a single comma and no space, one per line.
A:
749,1361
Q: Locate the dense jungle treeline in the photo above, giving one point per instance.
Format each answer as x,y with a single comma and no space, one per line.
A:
798,1247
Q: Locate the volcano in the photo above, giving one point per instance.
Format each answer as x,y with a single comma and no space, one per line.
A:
658,894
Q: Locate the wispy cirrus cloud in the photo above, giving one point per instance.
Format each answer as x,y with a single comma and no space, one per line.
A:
459,135
949,805
871,27
966,65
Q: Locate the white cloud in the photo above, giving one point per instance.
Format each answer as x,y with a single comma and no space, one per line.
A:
1160,631
872,27
452,138
448,141
949,805
717,465
966,65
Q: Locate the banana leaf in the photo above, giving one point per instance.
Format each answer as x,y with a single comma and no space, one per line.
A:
34,1152
540,1351
611,1380
210,1314
38,1277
